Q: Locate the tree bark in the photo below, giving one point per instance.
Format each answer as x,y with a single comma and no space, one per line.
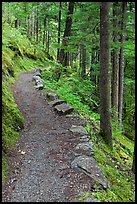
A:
83,62
47,39
104,82
37,27
33,23
44,32
121,64
115,64
40,31
16,23
29,28
59,26
67,33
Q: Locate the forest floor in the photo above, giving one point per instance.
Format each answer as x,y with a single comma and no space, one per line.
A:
40,162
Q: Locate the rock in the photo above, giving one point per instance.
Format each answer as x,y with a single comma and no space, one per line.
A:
56,102
39,85
73,116
89,199
73,154
34,78
52,96
85,148
38,74
78,129
63,109
85,138
89,166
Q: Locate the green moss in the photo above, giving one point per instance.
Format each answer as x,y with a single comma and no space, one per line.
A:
12,118
17,56
5,167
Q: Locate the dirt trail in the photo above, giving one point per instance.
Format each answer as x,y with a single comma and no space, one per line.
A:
40,162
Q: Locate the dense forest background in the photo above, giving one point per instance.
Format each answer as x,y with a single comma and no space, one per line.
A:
73,42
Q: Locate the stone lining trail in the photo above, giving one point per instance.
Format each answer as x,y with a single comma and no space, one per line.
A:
44,165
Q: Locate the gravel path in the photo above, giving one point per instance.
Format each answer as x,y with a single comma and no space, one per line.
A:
40,162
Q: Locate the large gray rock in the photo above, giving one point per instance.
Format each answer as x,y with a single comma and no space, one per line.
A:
52,96
78,129
85,148
63,109
56,102
89,166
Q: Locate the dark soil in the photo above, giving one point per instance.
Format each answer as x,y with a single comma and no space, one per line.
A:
40,163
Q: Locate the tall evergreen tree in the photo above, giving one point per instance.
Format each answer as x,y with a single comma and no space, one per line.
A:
105,116
121,63
59,26
67,33
115,62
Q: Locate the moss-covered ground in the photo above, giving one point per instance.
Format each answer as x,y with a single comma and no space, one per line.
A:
17,56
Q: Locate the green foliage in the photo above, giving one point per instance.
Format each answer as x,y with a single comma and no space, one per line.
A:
129,108
116,166
15,51
12,119
5,167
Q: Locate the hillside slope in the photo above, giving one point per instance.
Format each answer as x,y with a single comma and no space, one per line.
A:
17,56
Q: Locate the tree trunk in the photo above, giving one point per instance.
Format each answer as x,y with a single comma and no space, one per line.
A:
31,26
37,27
44,32
29,29
33,23
67,33
83,62
59,25
105,119
92,62
121,63
48,41
16,23
40,31
115,64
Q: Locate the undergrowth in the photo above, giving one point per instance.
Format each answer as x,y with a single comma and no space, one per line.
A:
17,56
